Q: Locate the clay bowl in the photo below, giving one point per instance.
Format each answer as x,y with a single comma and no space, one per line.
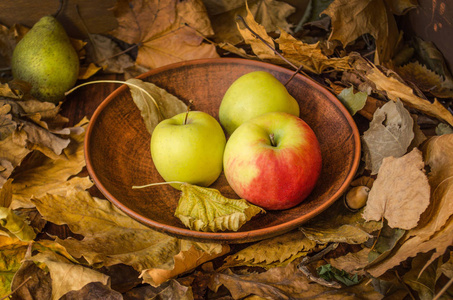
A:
118,156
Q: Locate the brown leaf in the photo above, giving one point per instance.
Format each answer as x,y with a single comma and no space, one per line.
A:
435,229
395,89
400,193
401,7
164,31
352,19
271,14
285,283
37,282
67,276
93,290
353,263
185,261
426,80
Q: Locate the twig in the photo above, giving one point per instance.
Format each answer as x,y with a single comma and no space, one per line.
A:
444,289
309,259
404,284
16,289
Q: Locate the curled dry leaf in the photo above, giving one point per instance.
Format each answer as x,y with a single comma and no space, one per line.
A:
395,89
259,47
401,192
161,105
352,19
353,263
205,209
390,134
273,252
44,175
310,56
12,252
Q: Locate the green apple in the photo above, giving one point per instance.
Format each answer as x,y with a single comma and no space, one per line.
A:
273,160
254,94
188,150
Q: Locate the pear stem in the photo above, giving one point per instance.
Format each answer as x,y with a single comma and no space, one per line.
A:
155,184
272,138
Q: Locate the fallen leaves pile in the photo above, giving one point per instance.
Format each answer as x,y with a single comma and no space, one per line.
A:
398,245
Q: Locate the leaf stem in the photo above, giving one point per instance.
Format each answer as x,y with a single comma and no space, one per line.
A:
156,183
121,82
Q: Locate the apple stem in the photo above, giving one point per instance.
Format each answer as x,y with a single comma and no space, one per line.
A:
272,138
156,183
187,112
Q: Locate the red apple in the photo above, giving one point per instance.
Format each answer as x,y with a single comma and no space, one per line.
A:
273,160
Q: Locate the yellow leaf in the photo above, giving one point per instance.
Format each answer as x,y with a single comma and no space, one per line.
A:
205,209
396,89
259,47
274,252
309,55
49,176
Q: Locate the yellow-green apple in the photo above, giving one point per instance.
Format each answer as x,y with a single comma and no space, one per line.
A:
273,160
188,149
251,95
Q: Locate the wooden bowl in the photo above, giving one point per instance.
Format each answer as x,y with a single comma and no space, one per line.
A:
117,148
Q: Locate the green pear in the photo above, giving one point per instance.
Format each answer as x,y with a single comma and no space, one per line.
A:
252,95
46,59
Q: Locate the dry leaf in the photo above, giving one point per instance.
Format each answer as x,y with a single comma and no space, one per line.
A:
353,263
38,282
338,224
309,55
425,79
103,52
400,193
93,290
15,225
7,44
285,283
12,252
401,7
352,19
390,134
271,14
164,31
205,209
423,283
44,175
185,261
435,228
258,46
67,276
161,105
273,252
395,89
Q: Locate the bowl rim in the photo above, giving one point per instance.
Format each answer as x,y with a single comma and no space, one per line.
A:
224,237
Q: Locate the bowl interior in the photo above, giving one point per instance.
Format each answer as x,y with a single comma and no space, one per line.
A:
118,154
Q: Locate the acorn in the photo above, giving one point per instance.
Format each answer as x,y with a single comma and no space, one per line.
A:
356,197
